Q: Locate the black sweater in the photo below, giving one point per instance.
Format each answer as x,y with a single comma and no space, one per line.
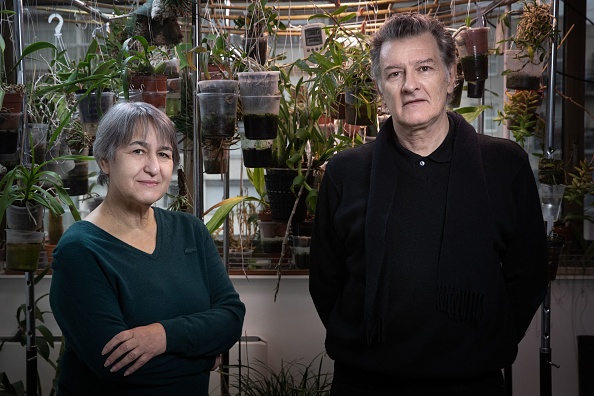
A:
460,308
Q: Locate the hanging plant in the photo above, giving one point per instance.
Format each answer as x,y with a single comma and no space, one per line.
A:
551,171
535,30
520,114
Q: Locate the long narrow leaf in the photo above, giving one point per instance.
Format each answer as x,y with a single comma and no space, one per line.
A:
224,208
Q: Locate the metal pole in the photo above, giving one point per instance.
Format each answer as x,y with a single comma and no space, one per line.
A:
545,345
20,73
225,358
31,348
198,179
552,67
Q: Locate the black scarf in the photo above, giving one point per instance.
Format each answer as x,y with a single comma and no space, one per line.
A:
468,234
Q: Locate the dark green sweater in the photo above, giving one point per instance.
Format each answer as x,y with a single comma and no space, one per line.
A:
102,286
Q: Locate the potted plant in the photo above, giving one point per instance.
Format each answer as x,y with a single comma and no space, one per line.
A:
258,23
298,151
12,93
341,76
292,378
27,188
529,46
520,115
326,69
143,69
92,80
76,180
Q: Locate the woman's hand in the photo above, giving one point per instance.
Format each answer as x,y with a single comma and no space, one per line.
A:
138,345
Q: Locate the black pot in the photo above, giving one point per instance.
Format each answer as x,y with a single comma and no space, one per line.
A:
357,113
475,89
257,158
93,106
76,185
9,141
282,199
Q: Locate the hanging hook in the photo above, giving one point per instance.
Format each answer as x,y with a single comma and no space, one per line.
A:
58,29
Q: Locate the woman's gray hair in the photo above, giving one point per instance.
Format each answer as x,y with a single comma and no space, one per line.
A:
406,25
119,125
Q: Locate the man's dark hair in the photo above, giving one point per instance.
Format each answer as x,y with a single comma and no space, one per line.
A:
407,25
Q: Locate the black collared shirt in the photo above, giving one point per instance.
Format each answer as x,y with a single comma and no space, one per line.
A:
415,236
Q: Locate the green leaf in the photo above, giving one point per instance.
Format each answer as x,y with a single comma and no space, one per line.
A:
224,208
47,335
471,113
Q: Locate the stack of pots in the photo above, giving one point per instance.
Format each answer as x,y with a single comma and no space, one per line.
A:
473,49
217,101
260,103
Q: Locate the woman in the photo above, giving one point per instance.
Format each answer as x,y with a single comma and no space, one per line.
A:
143,300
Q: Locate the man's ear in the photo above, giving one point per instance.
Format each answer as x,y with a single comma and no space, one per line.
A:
378,87
453,72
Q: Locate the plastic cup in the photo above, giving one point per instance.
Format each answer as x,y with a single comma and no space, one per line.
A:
258,83
22,249
218,112
218,86
260,116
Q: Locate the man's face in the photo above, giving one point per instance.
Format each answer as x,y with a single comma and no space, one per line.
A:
414,81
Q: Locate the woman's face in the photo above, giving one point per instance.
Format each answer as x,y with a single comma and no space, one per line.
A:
141,171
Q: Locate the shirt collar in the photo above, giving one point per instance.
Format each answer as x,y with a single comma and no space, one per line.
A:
442,154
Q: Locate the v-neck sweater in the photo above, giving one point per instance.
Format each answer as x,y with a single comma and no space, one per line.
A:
102,286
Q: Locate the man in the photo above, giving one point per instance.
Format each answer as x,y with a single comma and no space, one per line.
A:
428,252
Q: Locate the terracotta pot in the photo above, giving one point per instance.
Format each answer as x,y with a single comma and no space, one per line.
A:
49,249
157,99
13,102
152,83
